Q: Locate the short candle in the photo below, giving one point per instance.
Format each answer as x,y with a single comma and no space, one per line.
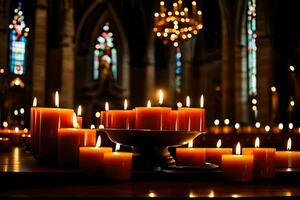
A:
288,159
190,156
214,155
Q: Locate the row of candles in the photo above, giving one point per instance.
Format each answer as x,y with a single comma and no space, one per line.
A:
156,118
245,164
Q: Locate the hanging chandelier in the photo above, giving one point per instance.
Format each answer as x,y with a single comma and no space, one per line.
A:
178,24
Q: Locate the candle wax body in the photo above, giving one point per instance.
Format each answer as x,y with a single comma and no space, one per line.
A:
248,150
237,167
105,119
122,119
190,156
91,159
264,162
285,159
50,120
192,119
214,155
34,127
69,141
118,165
156,118
174,120
79,121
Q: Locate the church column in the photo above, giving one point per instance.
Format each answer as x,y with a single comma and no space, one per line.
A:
227,67
39,51
241,90
265,59
67,55
3,33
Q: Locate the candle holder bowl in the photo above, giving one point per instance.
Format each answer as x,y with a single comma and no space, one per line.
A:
150,147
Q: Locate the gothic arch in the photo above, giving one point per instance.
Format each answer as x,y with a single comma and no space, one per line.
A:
88,29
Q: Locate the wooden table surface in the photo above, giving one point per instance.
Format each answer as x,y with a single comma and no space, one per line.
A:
22,177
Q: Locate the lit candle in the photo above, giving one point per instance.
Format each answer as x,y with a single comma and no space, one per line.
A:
118,165
192,119
91,158
50,120
264,160
190,156
237,167
79,117
122,119
288,159
34,119
105,116
69,141
156,118
194,8
214,155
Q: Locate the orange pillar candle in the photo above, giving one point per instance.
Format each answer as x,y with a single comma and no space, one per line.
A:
288,159
155,118
79,117
118,165
91,159
34,114
174,120
50,120
105,119
122,119
264,160
214,155
190,156
237,167
69,141
191,119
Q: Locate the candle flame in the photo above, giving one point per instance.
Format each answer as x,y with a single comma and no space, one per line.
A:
149,104
125,104
98,143
219,143
179,104
93,126
238,149
75,123
202,101
56,99
257,142
289,144
191,144
34,103
188,102
17,129
79,110
160,97
106,106
118,146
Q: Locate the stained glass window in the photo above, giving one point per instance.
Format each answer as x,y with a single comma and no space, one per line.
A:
179,71
18,36
105,50
251,47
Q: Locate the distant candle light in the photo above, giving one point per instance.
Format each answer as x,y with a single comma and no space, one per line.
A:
291,126
237,125
226,121
267,128
280,126
257,124
217,122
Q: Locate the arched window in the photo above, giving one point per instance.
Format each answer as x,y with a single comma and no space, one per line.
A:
105,50
18,42
179,71
251,47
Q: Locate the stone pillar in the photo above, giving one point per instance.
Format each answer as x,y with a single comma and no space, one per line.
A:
39,51
241,73
4,33
67,55
265,57
227,67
